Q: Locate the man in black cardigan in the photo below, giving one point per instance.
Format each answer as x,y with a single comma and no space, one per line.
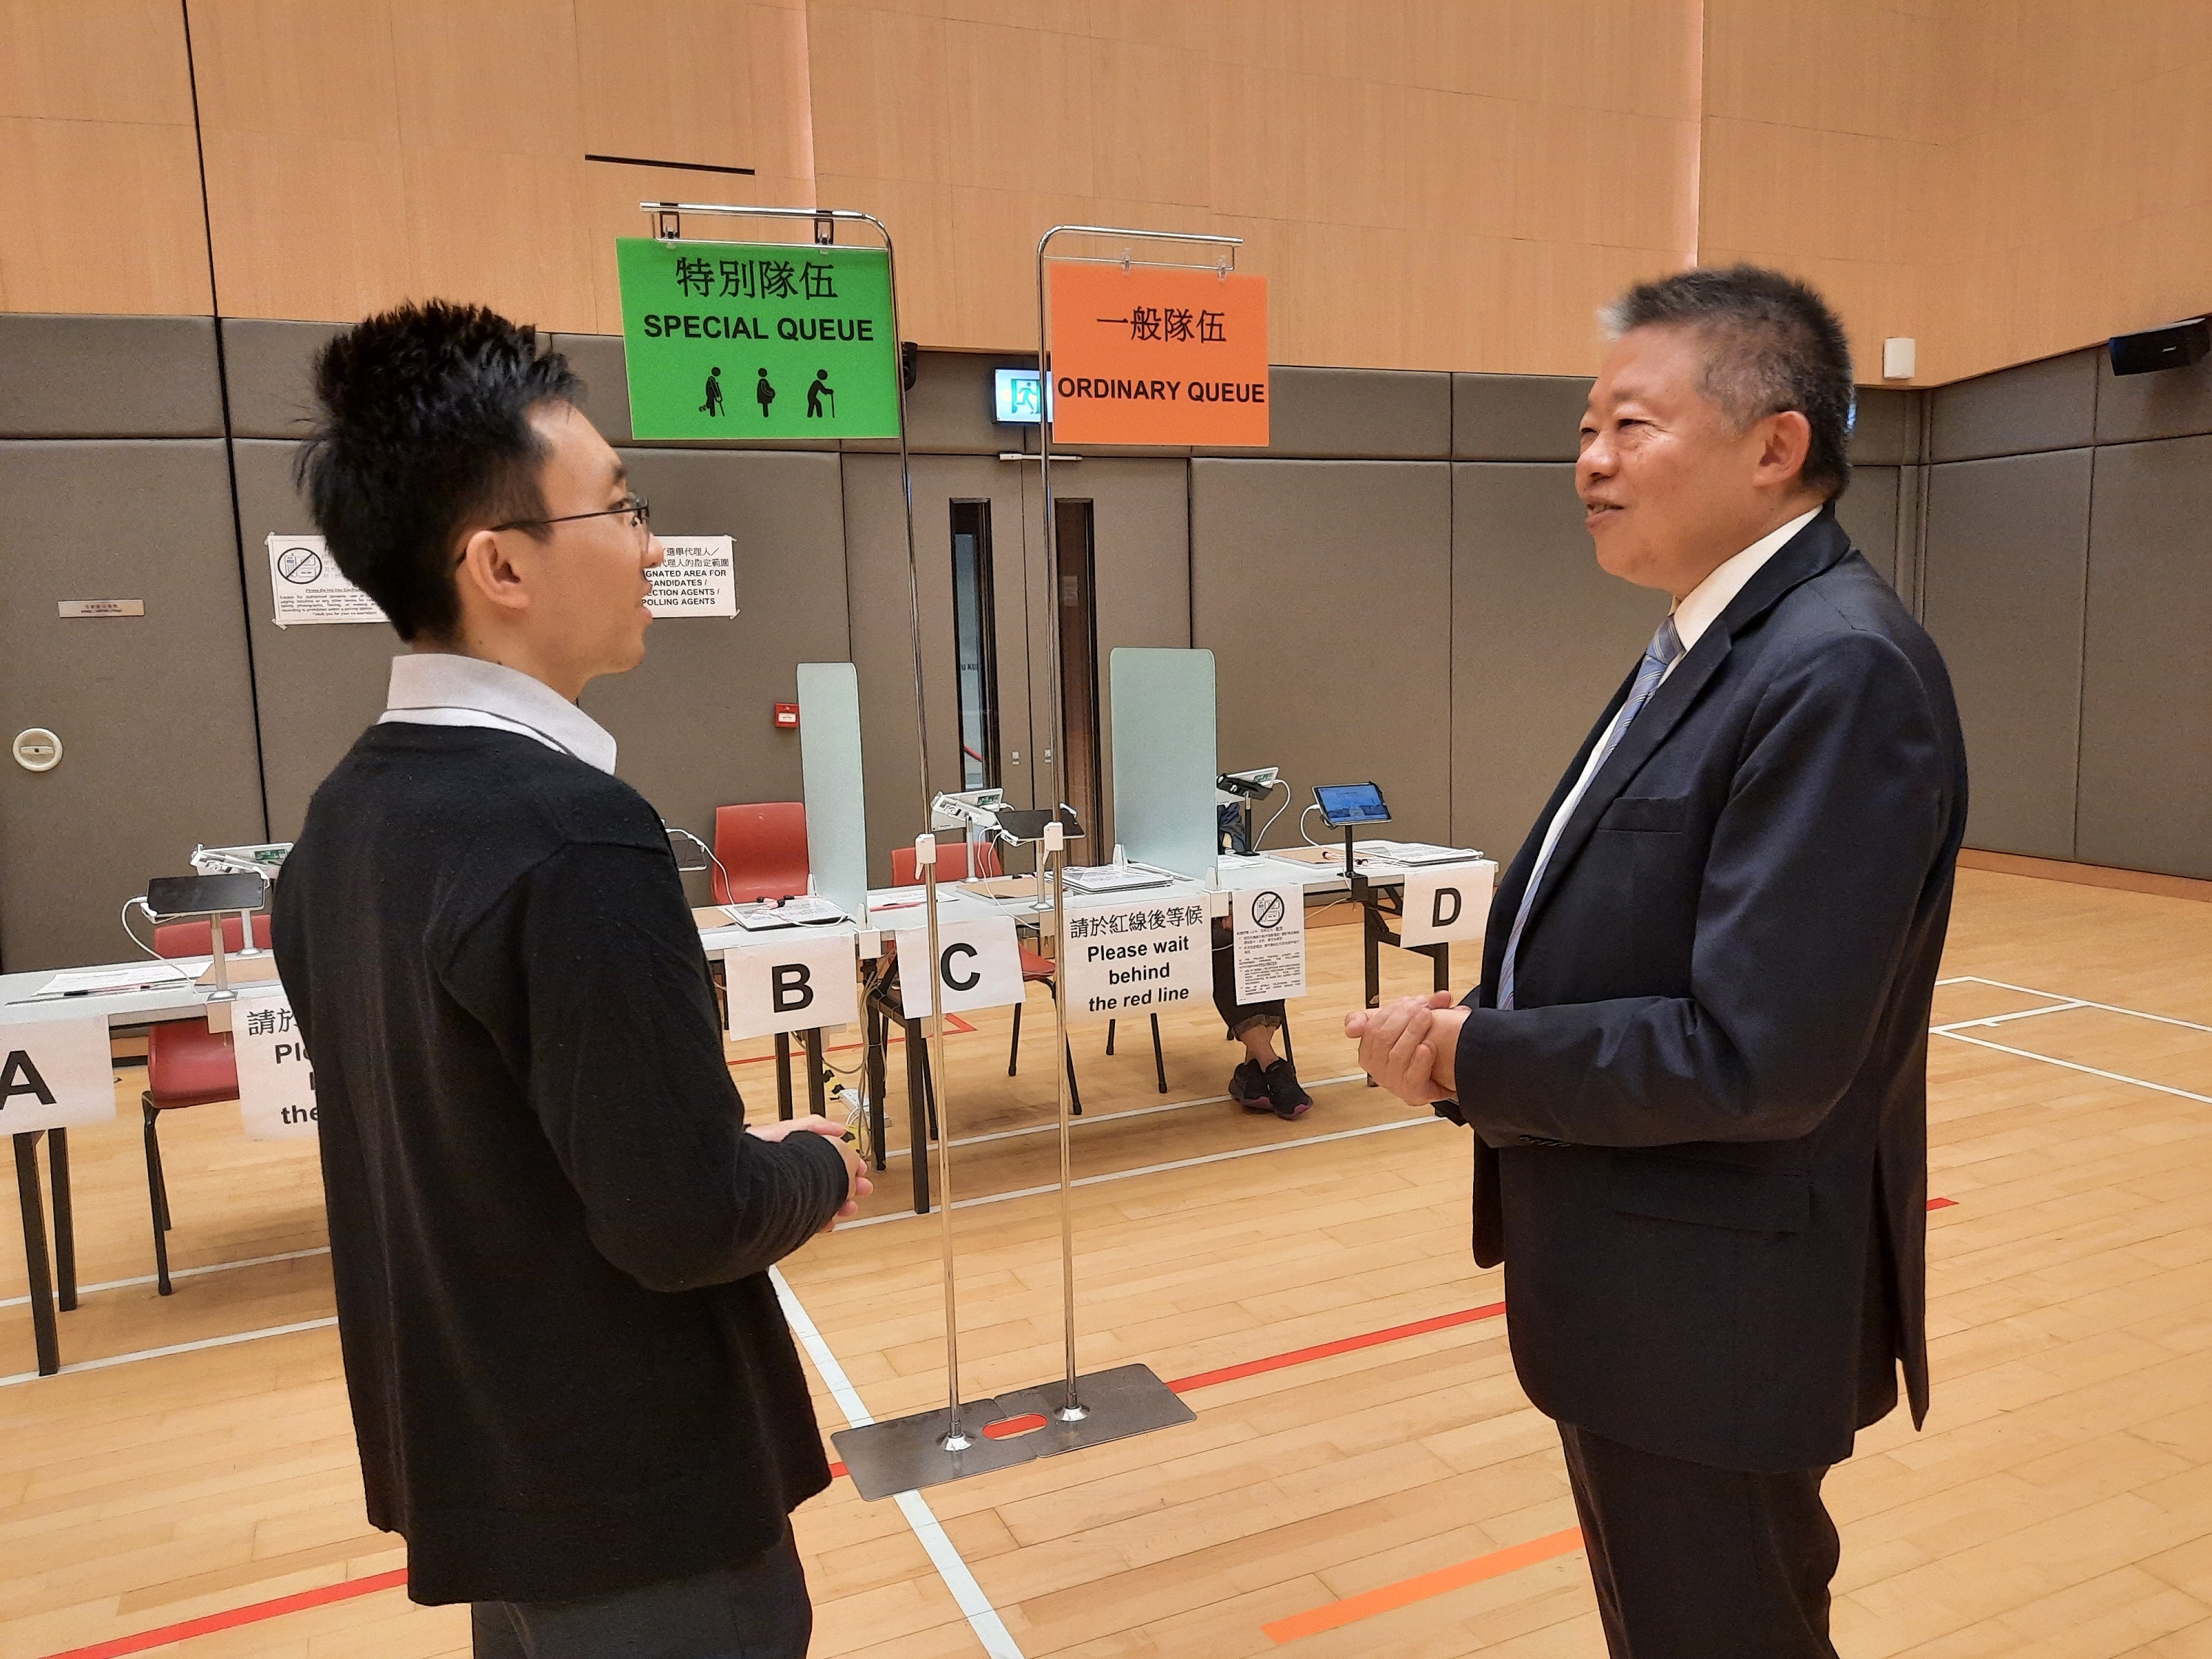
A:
1695,1066
574,1394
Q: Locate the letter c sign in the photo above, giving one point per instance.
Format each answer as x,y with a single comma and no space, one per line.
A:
953,982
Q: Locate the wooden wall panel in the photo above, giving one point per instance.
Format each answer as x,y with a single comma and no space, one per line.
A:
99,189
1399,168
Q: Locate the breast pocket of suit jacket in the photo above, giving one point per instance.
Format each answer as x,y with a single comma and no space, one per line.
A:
1656,844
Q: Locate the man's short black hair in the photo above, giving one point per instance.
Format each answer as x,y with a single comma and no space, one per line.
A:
1776,348
424,432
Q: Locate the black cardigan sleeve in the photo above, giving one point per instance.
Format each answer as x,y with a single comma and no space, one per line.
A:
588,973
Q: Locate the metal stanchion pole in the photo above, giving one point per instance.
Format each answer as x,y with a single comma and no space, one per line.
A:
1072,1408
955,1438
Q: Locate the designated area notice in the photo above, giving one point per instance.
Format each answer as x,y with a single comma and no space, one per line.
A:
698,578
311,588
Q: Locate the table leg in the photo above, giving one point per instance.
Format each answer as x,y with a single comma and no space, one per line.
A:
917,1119
817,1097
879,1039
1442,955
43,1328
783,1076
1370,928
58,1164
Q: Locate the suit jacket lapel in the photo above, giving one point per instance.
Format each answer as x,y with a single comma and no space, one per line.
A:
1805,556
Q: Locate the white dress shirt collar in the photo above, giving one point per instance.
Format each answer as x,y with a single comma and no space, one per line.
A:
432,688
1702,606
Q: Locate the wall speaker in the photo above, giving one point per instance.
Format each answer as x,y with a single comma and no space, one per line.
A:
2175,346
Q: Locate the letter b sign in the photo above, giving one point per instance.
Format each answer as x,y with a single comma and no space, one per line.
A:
790,982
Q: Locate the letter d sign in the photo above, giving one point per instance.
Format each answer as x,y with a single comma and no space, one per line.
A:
1447,904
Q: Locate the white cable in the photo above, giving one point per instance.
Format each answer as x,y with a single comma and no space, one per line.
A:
1303,816
1286,787
148,951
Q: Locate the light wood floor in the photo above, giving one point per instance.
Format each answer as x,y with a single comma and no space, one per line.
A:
2059,1503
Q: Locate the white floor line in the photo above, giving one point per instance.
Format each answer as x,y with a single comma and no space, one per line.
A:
2006,1020
1114,1117
2074,1066
2109,1008
181,1272
1152,1169
991,1630
205,1342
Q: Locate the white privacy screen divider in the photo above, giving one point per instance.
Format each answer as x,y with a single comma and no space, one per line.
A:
830,766
1164,758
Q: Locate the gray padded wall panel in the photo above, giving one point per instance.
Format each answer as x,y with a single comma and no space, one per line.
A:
2008,547
1516,417
2170,402
949,408
1372,414
153,712
1542,637
2050,405
108,377
316,687
1141,530
1868,513
2147,695
693,721
1323,589
1887,430
597,360
883,648
268,364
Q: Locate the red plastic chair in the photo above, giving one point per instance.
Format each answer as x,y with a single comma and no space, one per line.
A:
956,861
972,860
186,1064
762,849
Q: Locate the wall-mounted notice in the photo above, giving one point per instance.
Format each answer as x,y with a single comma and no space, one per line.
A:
55,1075
794,981
1267,942
1137,958
1447,904
276,1079
697,578
96,610
311,588
1148,355
758,340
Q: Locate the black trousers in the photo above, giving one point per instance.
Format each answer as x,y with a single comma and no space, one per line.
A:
1238,1016
758,1611
1692,1562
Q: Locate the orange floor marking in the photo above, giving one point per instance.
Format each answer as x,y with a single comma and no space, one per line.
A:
1407,1591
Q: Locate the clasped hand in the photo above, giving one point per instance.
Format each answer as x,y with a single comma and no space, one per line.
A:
857,1184
1411,1046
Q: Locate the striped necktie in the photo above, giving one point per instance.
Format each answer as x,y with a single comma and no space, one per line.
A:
1658,657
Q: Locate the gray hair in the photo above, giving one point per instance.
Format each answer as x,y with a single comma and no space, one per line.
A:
1777,347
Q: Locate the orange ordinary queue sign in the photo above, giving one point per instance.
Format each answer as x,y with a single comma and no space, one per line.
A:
1146,355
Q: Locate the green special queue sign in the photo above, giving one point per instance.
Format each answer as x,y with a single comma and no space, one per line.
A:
758,340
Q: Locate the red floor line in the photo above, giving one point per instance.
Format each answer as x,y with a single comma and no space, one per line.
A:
146,1640
209,1624
953,1024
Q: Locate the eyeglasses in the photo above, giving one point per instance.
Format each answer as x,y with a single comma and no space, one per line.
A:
636,507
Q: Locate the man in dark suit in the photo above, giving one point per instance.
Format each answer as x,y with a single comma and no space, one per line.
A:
1695,1066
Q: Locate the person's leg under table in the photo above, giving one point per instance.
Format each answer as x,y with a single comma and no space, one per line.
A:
1690,1561
757,1611
1263,1082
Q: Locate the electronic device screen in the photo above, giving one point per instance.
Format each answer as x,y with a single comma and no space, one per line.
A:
1351,803
170,896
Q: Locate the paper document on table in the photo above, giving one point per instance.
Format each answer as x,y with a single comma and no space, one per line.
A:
136,976
1112,879
1414,855
791,913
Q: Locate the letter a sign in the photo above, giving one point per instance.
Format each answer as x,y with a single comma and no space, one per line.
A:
55,1075
794,981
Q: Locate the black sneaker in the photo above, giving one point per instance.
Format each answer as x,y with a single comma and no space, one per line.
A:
1289,1100
1248,1087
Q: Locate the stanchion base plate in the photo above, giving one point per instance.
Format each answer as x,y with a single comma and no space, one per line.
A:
1129,1400
885,1459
